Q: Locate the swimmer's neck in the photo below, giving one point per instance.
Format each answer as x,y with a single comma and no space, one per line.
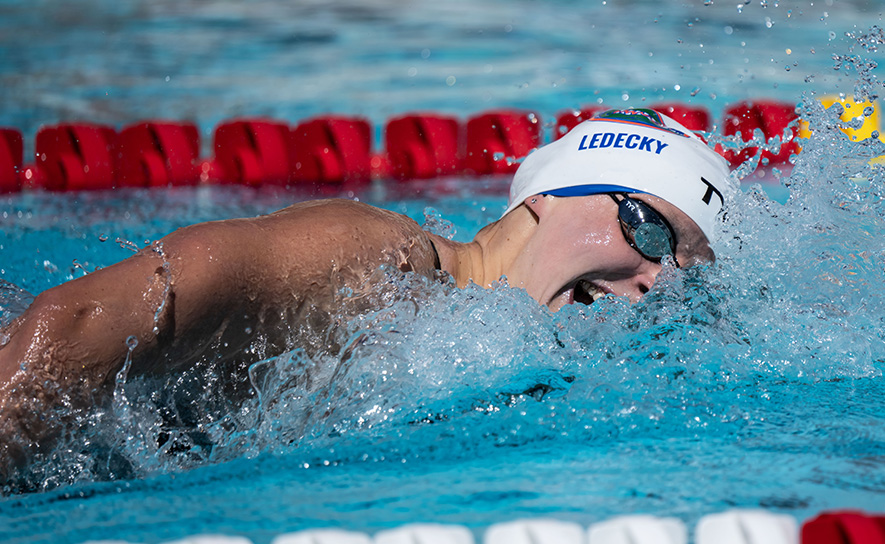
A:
461,261
491,253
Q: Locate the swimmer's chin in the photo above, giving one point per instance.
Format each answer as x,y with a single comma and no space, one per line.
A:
580,292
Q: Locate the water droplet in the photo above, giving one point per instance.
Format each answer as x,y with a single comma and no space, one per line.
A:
131,343
103,238
126,244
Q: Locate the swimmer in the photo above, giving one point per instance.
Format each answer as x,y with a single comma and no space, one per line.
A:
595,213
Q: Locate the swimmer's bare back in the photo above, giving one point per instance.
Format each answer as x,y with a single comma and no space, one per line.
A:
207,289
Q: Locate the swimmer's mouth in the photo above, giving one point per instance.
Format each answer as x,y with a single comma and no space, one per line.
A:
587,293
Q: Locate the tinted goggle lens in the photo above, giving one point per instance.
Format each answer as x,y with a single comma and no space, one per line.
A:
645,229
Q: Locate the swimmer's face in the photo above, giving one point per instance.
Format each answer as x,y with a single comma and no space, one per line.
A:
578,252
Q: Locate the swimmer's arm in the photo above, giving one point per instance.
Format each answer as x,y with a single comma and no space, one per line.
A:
199,285
76,333
65,350
212,282
203,289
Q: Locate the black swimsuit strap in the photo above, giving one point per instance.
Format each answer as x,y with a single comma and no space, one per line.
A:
436,262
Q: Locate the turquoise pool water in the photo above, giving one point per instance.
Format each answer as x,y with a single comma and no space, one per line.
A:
756,382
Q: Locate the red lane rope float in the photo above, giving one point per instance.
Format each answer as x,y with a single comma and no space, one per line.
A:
159,154
570,119
332,149
772,118
73,157
423,146
328,150
495,140
844,527
251,152
11,149
693,118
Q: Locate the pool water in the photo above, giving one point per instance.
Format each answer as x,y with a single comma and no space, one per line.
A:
754,382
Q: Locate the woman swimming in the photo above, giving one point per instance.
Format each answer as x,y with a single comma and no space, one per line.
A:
594,213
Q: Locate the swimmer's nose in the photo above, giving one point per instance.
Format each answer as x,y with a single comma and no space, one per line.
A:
645,279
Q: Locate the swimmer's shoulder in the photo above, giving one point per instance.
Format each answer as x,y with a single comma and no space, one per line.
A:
334,215
362,228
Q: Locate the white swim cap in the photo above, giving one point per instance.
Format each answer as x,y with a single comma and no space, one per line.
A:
629,151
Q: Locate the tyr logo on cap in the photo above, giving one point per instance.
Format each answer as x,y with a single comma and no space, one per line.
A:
709,194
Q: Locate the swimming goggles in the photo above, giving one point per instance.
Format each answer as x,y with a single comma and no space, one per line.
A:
645,229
